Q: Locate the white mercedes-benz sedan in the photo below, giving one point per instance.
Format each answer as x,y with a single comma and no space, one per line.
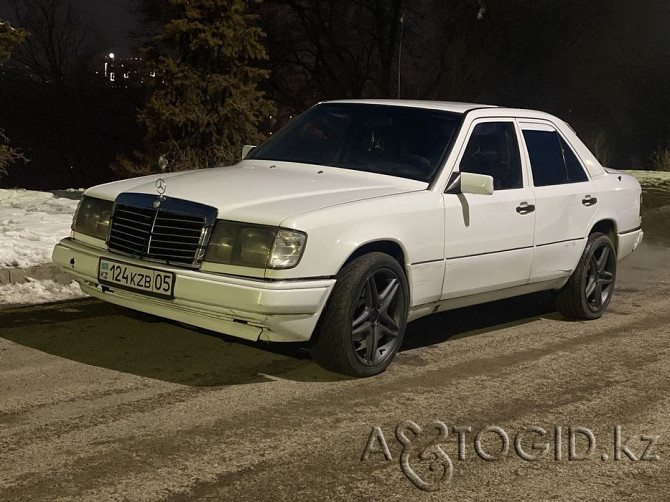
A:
358,217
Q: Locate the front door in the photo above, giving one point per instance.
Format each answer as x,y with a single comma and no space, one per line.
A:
489,238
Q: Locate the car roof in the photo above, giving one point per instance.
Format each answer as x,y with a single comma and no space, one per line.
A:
449,106
480,110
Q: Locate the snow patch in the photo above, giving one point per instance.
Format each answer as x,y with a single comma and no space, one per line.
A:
651,178
33,292
31,223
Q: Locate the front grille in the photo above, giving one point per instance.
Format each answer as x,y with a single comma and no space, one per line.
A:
175,233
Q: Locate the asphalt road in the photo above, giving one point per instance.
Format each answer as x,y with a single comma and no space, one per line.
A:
96,406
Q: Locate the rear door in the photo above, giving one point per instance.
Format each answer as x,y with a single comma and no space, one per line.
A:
565,200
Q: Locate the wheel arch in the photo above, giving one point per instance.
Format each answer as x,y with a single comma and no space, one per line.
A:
387,246
609,228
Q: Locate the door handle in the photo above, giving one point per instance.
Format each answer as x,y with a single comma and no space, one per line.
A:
589,201
525,208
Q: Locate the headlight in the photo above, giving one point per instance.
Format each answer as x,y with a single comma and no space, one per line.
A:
257,246
92,217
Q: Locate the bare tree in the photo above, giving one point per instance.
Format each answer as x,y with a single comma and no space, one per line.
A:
55,90
323,49
61,47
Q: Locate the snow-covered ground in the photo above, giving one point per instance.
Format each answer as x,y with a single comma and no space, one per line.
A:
31,223
38,291
651,178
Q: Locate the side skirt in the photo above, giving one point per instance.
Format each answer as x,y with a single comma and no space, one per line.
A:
489,296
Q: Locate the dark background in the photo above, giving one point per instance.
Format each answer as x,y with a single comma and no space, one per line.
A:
603,65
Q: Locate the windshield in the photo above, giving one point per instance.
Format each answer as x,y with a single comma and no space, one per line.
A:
394,140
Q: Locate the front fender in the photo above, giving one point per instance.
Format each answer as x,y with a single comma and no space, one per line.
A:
414,221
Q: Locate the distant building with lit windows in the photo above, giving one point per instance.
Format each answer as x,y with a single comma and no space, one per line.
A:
125,72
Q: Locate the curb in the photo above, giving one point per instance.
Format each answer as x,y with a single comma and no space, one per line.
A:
45,271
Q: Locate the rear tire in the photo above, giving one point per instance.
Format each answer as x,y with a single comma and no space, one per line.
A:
364,321
589,290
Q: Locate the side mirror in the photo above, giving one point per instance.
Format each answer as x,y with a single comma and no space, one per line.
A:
479,184
246,149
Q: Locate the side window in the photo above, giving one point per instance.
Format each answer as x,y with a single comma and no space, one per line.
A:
575,170
551,159
546,158
493,150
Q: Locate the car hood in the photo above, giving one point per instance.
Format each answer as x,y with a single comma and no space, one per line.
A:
265,192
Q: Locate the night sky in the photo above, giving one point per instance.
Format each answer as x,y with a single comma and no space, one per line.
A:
113,19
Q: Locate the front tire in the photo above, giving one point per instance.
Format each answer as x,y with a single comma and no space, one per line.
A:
365,318
589,290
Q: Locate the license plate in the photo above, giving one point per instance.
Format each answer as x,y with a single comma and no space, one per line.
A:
145,280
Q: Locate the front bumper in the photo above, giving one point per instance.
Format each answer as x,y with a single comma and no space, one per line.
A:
283,311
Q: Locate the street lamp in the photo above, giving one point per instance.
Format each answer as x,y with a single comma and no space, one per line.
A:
402,29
